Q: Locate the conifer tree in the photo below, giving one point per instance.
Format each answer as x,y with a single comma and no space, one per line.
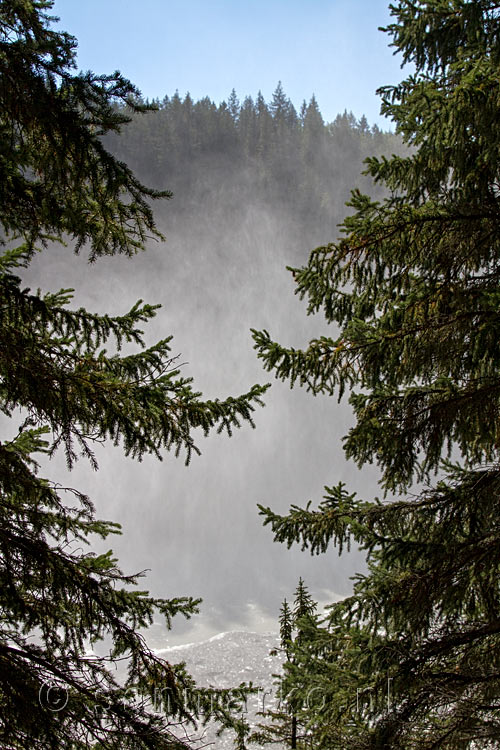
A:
304,606
247,127
279,103
412,659
57,601
264,127
286,628
233,105
296,627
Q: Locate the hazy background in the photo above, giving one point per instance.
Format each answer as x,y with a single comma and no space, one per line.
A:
221,272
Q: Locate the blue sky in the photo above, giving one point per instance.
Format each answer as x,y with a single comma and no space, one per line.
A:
331,48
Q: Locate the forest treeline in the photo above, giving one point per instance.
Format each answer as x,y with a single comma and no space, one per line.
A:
216,158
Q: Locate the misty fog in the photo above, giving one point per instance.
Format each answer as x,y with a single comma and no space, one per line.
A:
220,272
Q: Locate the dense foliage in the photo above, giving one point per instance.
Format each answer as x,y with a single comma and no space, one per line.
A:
61,387
412,658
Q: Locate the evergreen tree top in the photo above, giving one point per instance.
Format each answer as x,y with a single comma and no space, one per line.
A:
304,604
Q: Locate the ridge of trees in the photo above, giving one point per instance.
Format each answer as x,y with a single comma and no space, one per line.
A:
254,151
